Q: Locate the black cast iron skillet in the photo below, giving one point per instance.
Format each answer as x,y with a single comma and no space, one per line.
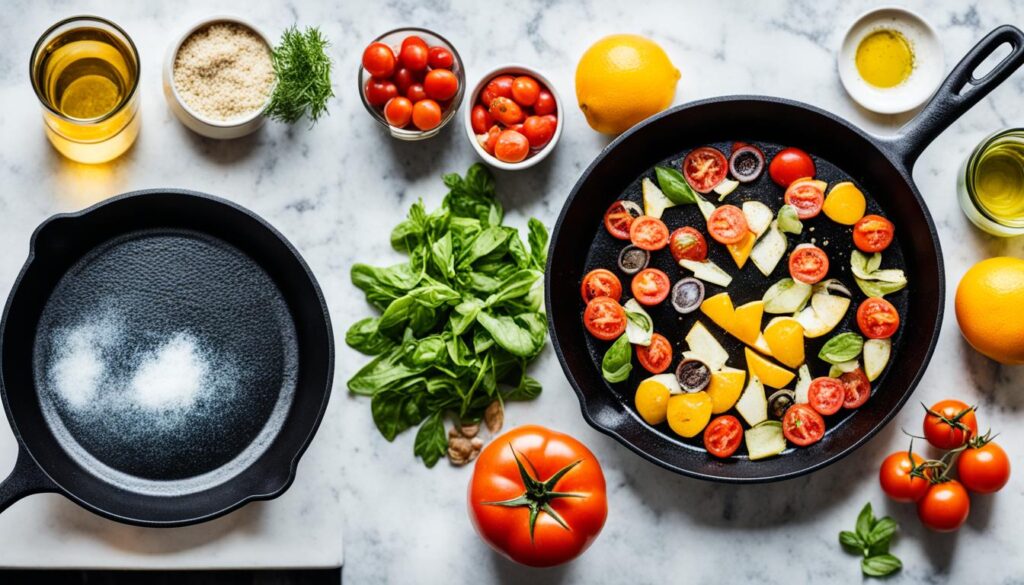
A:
195,283
880,166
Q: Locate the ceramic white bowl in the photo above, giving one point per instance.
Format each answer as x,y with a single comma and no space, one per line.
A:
220,129
929,63
534,157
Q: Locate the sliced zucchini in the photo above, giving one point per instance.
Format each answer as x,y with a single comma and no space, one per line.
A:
726,187
706,207
825,312
836,370
753,404
876,356
803,384
655,202
705,347
769,250
765,440
759,216
707,271
786,297
788,220
639,325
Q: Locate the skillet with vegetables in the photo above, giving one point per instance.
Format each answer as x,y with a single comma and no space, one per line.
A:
744,298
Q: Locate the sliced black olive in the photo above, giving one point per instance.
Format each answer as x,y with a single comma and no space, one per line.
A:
779,402
746,163
633,259
687,295
693,375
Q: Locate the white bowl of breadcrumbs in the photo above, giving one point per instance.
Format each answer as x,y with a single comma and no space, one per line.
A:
218,77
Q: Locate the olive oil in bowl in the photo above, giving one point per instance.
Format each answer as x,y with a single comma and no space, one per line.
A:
991,189
85,71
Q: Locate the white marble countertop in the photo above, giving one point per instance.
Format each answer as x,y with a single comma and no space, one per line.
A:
335,191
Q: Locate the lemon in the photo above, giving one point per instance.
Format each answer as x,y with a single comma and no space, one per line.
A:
622,79
990,308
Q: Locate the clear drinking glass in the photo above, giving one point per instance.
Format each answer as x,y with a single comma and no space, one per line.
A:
991,184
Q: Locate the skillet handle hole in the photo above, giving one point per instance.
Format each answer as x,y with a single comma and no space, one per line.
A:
987,66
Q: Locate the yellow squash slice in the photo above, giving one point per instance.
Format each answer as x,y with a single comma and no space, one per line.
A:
725,388
785,338
769,373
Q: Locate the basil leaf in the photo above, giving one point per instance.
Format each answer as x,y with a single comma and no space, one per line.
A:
851,541
873,288
882,531
431,442
364,336
382,372
509,335
842,348
515,286
865,521
487,241
880,565
443,256
538,240
396,409
674,186
616,365
789,221
528,389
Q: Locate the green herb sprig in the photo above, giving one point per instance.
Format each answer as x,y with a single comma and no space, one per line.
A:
303,72
871,539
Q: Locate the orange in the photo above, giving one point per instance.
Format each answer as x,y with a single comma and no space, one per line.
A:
990,308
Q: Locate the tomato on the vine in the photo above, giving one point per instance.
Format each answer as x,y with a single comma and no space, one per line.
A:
945,506
983,468
948,424
896,479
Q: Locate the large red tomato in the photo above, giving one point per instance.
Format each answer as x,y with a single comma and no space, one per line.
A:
537,496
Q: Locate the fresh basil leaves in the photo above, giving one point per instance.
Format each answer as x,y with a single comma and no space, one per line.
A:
871,539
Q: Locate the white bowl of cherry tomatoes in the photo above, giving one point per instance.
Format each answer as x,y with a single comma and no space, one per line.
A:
515,118
411,81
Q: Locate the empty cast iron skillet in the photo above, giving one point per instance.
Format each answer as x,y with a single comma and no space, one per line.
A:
167,357
880,166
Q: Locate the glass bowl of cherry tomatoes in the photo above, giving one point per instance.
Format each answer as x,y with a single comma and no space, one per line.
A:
412,81
515,118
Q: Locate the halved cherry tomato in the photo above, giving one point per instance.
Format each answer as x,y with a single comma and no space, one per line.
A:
704,168
604,318
789,165
688,243
723,436
945,507
398,112
440,58
983,469
648,233
506,111
826,395
949,424
379,91
539,130
897,483
808,263
600,283
525,90
802,425
858,388
414,54
618,220
877,318
657,357
650,286
379,60
481,119
441,84
426,114
806,196
873,233
545,104
511,146
500,86
727,225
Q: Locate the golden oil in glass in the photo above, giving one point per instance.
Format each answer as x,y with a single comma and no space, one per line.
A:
85,71
991,188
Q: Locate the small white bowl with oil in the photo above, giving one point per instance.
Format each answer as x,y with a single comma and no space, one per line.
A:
891,60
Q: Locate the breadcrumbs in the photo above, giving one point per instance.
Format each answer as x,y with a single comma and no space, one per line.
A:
224,71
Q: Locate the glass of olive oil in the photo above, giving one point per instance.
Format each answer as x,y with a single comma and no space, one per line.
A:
991,187
85,71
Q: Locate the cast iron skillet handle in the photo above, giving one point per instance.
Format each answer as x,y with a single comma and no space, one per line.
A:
26,479
958,93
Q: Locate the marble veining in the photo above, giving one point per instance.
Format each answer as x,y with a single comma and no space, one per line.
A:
336,189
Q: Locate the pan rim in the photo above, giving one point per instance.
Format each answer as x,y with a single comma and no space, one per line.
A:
885,148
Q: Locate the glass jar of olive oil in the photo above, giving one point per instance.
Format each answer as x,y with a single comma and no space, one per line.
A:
991,186
85,71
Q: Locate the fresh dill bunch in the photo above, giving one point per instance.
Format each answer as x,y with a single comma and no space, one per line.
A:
303,72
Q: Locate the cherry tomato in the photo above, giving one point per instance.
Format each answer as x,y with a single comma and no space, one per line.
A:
802,425
688,243
727,225
440,84
600,283
481,119
525,90
506,111
945,507
984,469
545,103
873,233
379,60
379,91
858,388
877,318
426,114
808,263
897,483
511,147
413,56
657,357
500,86
618,219
789,165
951,425
650,286
489,140
604,318
539,130
806,197
534,455
704,168
416,93
398,112
440,58
826,395
648,233
403,78
723,436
